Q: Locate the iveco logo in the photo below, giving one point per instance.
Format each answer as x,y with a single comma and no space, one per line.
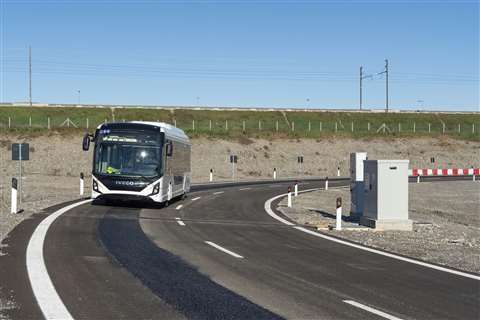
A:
129,183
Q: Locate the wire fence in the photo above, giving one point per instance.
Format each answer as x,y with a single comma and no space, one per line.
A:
256,126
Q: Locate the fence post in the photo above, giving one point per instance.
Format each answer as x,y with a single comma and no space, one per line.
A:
175,122
48,123
336,126
320,126
368,126
243,125
293,126
88,123
443,127
309,126
210,124
259,125
473,127
9,123
226,125
276,125
414,125
193,124
429,128
399,127
352,126
459,128
30,122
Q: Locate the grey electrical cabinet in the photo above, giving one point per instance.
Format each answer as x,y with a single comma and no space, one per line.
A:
386,195
356,183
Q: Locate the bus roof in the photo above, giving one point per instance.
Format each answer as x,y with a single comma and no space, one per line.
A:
169,130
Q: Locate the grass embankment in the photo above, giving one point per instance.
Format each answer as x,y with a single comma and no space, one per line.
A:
234,123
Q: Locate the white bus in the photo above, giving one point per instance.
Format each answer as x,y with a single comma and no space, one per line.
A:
139,160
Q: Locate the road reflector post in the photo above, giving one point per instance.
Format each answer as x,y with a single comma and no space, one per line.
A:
338,171
473,177
326,183
338,224
14,208
170,191
296,188
418,179
211,175
82,183
274,173
289,197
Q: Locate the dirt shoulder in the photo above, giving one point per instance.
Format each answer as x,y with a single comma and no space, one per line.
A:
446,219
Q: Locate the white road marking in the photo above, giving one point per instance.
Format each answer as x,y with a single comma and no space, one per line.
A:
180,222
241,189
47,297
372,310
179,207
219,192
224,250
195,199
269,210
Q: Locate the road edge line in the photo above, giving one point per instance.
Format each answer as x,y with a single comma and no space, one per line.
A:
43,289
359,246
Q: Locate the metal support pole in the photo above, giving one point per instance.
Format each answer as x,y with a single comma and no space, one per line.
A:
289,198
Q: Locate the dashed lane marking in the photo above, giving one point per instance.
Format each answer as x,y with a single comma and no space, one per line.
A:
180,222
241,189
216,246
219,192
372,310
179,207
195,199
43,289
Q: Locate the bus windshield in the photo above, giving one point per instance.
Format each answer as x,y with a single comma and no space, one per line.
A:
128,154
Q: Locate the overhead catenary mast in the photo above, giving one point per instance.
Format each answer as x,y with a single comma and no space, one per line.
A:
386,84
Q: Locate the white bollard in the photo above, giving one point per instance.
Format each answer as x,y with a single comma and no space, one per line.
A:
211,175
14,196
289,198
82,184
418,179
338,172
338,224
296,189
274,173
326,183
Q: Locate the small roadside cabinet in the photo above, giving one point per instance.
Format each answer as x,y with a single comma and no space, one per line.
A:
386,195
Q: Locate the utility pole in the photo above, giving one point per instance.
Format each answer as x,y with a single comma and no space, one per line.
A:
386,84
30,73
361,77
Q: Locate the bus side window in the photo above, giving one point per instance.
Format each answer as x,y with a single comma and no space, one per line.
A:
169,148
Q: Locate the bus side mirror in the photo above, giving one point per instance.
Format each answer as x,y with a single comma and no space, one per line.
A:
86,142
169,150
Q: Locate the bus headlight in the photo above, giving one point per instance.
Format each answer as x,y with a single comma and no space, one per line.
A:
95,186
156,189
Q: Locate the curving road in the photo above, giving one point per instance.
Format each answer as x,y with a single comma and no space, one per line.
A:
219,255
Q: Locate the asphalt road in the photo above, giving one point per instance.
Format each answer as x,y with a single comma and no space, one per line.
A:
219,255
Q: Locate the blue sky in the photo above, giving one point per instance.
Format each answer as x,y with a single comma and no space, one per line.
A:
234,53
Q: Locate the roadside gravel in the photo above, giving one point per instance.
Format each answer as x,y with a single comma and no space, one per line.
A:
446,219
